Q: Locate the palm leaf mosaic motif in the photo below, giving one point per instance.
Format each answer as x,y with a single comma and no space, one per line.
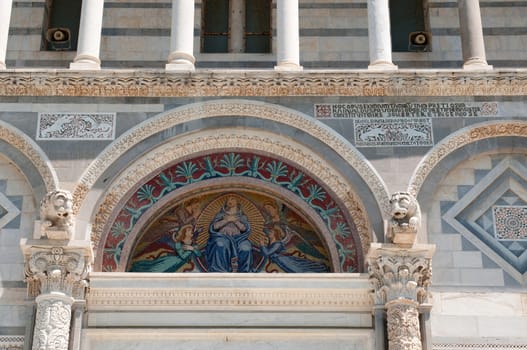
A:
231,165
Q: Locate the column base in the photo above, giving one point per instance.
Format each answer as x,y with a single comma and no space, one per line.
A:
184,66
85,65
288,66
476,64
2,65
382,65
180,61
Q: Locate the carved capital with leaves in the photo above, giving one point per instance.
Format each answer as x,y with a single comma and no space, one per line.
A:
57,269
397,273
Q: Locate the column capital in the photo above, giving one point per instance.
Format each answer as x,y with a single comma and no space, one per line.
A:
400,273
57,267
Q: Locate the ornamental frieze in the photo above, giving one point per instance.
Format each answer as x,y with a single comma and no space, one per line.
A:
262,83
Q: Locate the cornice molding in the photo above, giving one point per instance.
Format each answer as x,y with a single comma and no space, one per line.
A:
272,299
159,83
340,292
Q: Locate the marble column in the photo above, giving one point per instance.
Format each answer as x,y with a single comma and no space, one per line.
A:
472,43
181,57
288,36
401,278
379,35
89,42
5,18
56,273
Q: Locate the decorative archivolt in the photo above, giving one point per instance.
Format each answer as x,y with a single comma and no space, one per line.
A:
32,151
220,139
460,139
232,108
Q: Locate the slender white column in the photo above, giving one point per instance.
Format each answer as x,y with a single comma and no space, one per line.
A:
181,55
288,36
472,43
379,35
5,17
89,43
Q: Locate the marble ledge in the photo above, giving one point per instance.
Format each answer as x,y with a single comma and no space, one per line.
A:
232,82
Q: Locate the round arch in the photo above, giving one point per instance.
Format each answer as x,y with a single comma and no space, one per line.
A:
480,138
29,158
285,153
225,124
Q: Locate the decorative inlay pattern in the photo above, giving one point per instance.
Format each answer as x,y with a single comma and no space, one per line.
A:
263,83
244,140
32,151
76,126
233,108
212,298
393,132
11,342
459,139
510,222
492,214
8,211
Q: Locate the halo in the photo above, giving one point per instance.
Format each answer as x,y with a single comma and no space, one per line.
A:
255,217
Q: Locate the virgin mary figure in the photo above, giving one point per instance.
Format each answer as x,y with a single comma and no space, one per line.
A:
228,247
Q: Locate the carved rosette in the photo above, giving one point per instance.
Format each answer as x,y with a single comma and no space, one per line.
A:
52,323
403,325
57,270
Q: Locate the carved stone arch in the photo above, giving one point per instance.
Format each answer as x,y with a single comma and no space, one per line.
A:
209,115
349,242
472,186
481,138
29,158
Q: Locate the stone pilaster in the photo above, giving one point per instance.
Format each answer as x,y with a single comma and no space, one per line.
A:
56,273
89,43
181,55
288,35
401,278
5,18
379,35
472,43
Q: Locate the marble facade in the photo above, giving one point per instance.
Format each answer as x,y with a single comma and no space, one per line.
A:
101,144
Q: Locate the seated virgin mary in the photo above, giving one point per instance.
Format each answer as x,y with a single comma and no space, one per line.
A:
228,247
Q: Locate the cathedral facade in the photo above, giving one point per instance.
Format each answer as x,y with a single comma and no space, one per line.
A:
224,174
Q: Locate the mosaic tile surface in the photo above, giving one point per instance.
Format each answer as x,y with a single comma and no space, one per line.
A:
510,222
